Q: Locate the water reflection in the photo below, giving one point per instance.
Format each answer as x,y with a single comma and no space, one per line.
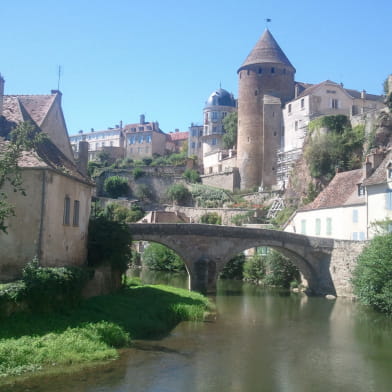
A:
262,340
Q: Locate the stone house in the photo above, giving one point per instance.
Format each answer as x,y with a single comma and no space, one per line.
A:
339,211
51,220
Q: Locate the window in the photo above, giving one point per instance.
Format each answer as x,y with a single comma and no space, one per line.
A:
141,129
296,125
335,104
148,138
67,210
302,103
133,129
193,145
272,70
318,226
389,172
260,70
214,115
389,199
289,108
361,190
329,226
303,226
256,92
361,236
355,216
355,236
75,220
214,141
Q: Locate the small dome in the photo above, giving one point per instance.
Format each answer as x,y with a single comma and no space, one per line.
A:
221,97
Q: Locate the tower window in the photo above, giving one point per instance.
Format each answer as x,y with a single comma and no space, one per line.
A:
247,72
289,108
272,70
284,71
302,103
260,70
255,92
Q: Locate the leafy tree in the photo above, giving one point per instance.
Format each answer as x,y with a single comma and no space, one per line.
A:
178,193
118,213
372,277
116,186
230,124
234,268
311,194
254,268
143,192
24,137
109,242
160,257
280,270
341,147
211,218
191,175
104,158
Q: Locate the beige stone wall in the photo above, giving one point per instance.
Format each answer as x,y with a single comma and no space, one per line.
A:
21,243
343,262
226,180
65,244
38,229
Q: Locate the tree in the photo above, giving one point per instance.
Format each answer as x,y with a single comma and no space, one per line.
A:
160,257
191,176
230,124
211,218
234,268
372,277
24,137
178,193
116,186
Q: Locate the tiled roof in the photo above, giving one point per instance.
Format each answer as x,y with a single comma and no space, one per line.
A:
176,136
380,174
19,108
47,155
266,50
341,191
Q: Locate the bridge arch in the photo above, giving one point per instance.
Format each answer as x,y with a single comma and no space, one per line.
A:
206,249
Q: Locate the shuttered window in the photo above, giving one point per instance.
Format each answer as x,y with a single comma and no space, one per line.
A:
389,199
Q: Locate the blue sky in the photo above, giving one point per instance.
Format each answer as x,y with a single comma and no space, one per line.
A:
123,58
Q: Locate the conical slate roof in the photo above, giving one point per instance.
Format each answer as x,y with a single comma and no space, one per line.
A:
266,50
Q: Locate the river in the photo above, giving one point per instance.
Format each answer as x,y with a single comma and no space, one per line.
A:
261,340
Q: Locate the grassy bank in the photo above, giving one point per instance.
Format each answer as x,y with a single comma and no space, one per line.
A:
92,332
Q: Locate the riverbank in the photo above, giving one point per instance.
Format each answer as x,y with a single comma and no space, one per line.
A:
95,330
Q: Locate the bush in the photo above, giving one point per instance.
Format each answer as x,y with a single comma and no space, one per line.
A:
211,218
143,192
191,176
372,277
178,193
209,197
137,173
116,186
161,258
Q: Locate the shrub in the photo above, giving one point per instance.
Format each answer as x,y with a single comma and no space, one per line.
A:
191,175
116,186
211,218
178,193
209,197
137,173
372,277
161,258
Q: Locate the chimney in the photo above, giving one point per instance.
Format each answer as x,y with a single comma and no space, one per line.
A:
142,119
83,157
176,130
2,81
368,168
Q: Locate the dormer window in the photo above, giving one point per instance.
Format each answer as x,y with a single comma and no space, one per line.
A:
389,171
361,190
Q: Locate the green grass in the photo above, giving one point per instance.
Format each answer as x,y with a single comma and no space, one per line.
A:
93,331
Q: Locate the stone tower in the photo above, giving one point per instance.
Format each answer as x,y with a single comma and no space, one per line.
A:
265,84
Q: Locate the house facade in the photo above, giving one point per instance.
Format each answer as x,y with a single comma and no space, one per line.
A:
51,220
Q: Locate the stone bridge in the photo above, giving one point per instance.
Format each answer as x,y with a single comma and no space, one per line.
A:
206,249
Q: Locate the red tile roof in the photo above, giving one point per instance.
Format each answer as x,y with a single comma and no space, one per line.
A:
341,191
176,136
